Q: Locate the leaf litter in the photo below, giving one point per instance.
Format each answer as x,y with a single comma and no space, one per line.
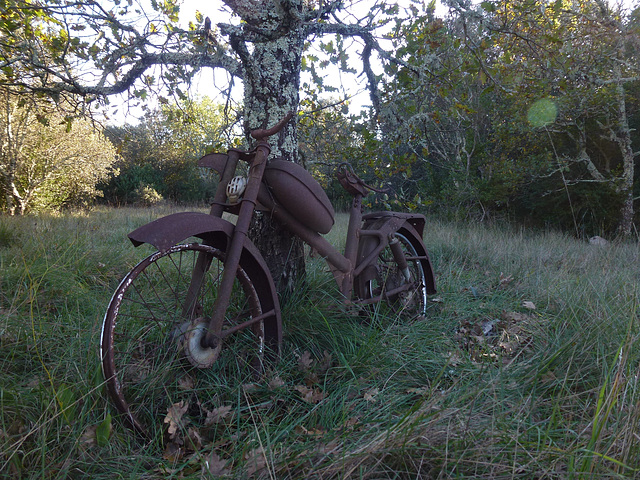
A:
187,442
494,338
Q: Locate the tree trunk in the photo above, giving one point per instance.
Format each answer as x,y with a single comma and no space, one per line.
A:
272,83
623,139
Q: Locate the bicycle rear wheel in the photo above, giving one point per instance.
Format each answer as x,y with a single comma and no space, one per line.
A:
385,281
144,360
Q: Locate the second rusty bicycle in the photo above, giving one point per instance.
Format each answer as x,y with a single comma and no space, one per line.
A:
192,313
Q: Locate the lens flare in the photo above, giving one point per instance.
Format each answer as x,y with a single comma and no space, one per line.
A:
543,112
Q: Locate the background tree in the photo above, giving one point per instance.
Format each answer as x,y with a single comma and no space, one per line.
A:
327,136
564,67
515,107
161,152
47,162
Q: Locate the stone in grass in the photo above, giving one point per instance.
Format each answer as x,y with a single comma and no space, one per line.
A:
599,241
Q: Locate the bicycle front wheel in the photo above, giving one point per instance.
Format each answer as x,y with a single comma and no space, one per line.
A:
156,306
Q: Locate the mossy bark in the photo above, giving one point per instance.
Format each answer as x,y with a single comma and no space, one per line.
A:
272,83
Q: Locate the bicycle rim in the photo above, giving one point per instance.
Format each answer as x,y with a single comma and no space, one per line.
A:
143,361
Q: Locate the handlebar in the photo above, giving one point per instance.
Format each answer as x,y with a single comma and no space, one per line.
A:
352,183
261,133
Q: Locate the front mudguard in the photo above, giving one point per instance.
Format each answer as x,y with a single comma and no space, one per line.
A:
374,237
216,232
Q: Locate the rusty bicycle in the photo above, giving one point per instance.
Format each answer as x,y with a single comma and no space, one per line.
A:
209,308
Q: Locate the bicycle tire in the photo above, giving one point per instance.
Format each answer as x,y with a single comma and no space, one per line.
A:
142,352
384,275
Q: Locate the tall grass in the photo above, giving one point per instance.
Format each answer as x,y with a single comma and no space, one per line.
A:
484,387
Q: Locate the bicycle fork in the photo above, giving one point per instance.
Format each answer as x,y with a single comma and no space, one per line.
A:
236,246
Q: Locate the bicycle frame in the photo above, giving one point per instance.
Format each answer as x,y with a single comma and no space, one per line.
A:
257,164
344,267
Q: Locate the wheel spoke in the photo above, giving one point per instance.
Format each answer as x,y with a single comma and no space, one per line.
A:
389,284
145,361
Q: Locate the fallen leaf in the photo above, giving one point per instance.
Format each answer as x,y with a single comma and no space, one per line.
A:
370,395
352,422
194,439
419,391
186,383
310,395
529,305
276,382
311,379
88,437
300,430
215,466
103,431
305,361
515,317
255,461
325,364
217,415
327,448
505,280
508,347
172,452
474,291
249,387
174,417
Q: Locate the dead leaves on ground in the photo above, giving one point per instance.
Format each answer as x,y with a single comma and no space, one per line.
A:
215,466
217,415
202,441
174,418
310,395
312,370
190,426
496,338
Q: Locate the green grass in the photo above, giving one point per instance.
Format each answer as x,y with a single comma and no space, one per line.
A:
547,393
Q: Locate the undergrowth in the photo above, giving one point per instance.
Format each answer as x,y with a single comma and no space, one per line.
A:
524,366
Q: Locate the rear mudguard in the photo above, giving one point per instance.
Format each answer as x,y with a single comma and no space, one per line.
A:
216,232
375,234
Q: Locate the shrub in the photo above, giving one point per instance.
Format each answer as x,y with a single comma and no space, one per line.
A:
146,196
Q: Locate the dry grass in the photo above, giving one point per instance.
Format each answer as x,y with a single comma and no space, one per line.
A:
483,388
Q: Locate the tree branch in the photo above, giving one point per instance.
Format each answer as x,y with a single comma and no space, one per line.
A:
67,84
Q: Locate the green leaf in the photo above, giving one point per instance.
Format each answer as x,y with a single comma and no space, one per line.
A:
66,401
44,120
488,7
557,7
103,431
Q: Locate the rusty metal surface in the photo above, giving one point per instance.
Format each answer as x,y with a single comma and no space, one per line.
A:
381,226
216,161
416,220
299,193
172,229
